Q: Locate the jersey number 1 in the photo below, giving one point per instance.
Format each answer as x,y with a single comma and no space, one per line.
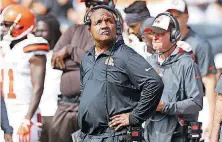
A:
11,94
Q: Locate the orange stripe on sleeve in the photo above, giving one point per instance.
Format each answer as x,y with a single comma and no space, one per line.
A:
36,47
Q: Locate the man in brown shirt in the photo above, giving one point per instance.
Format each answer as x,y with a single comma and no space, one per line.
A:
67,56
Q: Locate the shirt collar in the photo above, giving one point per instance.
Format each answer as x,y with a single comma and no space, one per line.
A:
91,51
175,51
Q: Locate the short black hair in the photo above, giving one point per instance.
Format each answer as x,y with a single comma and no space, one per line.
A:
136,7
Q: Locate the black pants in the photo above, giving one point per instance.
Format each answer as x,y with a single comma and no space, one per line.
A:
177,139
108,136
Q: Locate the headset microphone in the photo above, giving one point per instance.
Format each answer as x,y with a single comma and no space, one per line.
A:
161,53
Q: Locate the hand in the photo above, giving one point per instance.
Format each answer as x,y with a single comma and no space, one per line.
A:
24,131
119,121
160,106
214,134
8,137
58,58
207,131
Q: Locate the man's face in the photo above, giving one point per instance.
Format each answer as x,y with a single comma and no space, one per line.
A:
42,30
161,42
182,18
103,26
4,28
147,37
135,29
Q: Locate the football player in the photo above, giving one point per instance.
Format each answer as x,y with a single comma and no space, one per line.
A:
23,71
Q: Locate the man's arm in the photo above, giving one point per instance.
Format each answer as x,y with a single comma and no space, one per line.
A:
66,55
210,82
65,39
217,113
38,67
194,92
63,49
217,119
144,77
205,61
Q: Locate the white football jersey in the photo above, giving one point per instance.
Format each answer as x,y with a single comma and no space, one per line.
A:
48,104
15,68
16,82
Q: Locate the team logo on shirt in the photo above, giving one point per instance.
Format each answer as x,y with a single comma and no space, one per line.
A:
160,74
109,61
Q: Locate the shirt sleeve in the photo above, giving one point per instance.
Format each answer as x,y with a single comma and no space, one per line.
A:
193,90
74,51
204,58
144,77
4,118
219,86
65,40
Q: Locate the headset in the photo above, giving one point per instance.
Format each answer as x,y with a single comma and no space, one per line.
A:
119,19
174,32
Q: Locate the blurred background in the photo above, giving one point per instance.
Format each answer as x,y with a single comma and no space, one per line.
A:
205,15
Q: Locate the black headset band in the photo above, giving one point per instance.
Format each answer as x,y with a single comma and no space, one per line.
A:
87,17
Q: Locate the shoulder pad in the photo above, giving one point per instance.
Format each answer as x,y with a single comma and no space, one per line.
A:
36,47
184,45
33,43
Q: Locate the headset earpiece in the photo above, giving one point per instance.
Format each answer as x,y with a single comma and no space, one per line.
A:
88,23
87,20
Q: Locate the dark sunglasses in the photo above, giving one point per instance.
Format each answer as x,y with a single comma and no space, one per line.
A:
93,3
6,24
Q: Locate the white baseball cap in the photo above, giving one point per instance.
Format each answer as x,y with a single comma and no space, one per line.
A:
178,5
161,24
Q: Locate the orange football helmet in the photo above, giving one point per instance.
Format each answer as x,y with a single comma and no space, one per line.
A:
5,3
22,19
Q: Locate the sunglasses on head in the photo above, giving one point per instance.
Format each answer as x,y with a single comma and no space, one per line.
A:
93,3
